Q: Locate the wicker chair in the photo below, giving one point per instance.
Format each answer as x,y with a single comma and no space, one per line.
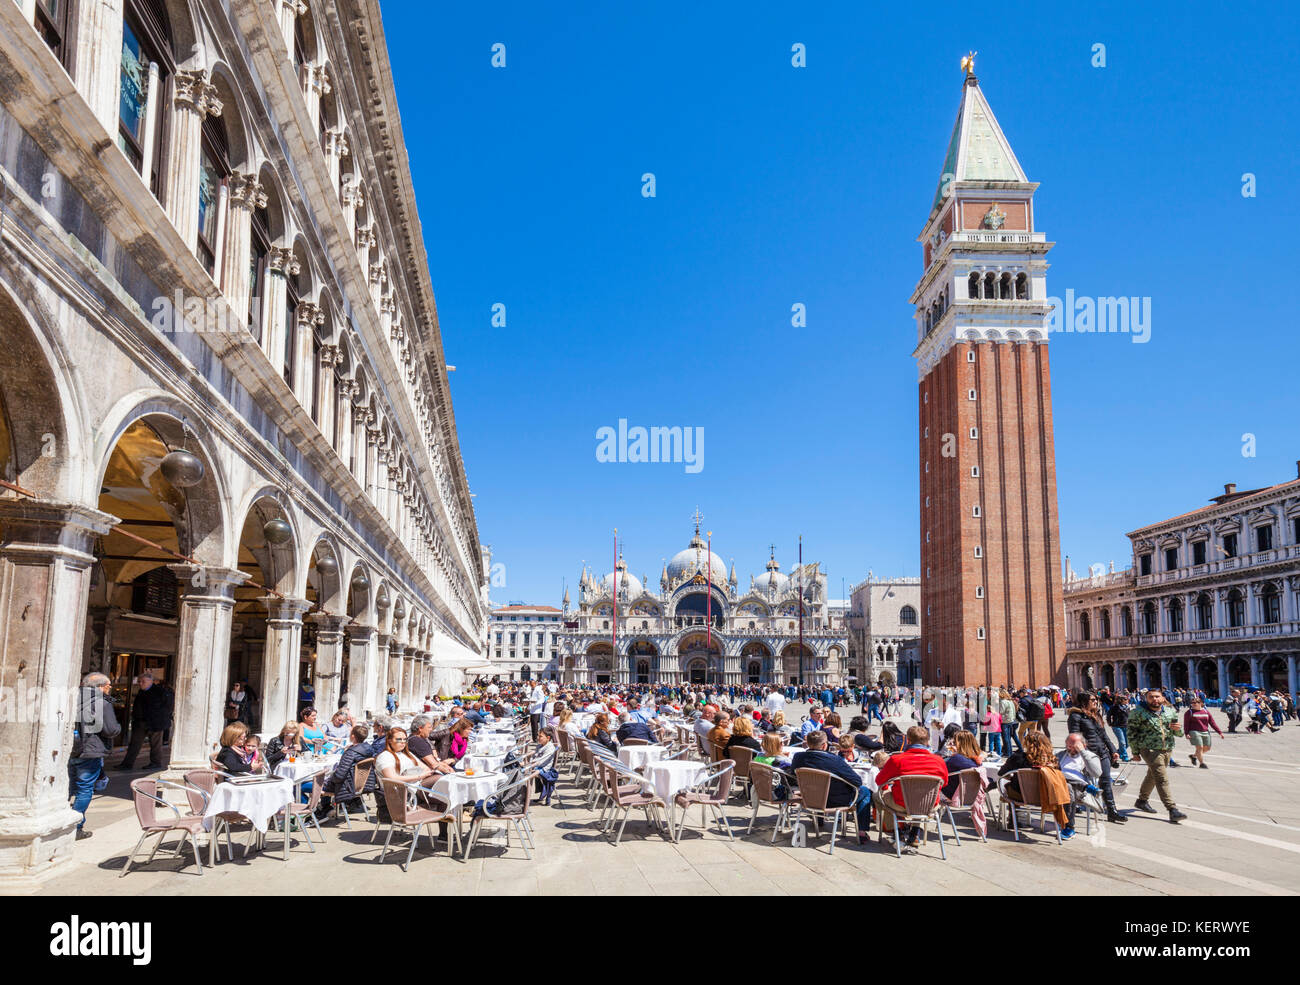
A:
627,797
360,777
815,791
743,757
763,781
201,784
920,797
710,793
1029,800
297,813
963,799
399,796
519,819
635,742
147,802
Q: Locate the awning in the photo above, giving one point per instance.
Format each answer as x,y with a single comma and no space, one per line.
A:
448,652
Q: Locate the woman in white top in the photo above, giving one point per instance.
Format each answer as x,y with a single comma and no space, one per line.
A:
395,763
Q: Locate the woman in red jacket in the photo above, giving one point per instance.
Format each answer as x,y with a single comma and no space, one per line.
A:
1197,722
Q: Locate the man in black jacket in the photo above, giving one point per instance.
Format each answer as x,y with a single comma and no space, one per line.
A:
151,715
92,740
629,728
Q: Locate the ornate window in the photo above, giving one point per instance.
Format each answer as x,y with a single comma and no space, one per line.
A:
1236,608
258,248
291,301
1175,615
1204,610
1149,618
1085,626
146,41
1270,604
214,169
907,616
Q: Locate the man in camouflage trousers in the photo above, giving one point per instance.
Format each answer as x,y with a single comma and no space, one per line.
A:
1153,729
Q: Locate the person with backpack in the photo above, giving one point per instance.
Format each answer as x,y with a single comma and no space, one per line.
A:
92,741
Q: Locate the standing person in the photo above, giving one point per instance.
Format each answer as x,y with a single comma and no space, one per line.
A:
1085,720
991,728
1007,709
536,708
1197,722
151,714
92,740
1153,730
1117,719
1030,713
390,701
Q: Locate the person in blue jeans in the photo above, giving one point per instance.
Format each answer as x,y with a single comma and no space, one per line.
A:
92,741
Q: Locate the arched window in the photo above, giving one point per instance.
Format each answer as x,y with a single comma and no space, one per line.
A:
525,673
1175,615
1204,611
291,300
1126,621
1105,624
146,41
643,671
1236,608
1085,626
973,285
317,344
214,169
259,247
907,616
990,286
1270,603
1004,288
1149,618
1022,287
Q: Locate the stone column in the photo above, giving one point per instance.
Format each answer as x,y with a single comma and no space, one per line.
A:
98,59
246,195
361,670
358,444
365,242
396,678
411,670
280,263
1291,681
324,409
336,148
382,643
315,87
310,316
195,99
288,11
353,198
45,563
343,439
202,662
1256,671
329,659
370,479
280,657
1222,664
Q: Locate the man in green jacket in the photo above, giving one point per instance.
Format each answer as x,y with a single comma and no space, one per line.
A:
1153,729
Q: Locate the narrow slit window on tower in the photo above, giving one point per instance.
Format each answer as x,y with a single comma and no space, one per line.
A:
979,633
974,433
979,591
970,355
970,394
974,471
975,511
979,551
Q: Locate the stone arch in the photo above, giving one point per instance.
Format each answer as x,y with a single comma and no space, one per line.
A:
277,212
385,602
279,562
38,449
359,592
200,517
240,147
326,585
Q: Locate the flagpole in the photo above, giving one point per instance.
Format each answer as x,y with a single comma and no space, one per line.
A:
708,601
614,639
801,672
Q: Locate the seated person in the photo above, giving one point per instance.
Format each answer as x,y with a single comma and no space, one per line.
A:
339,784
1036,753
858,726
831,726
634,728
312,736
599,732
892,739
378,734
742,734
813,723
253,746
815,756
963,753
284,744
234,756
557,709
721,731
420,744
338,729
704,724
1081,768
397,763
458,739
915,759
773,753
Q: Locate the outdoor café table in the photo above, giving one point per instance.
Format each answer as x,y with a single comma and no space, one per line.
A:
303,769
584,720
259,800
481,763
634,757
490,744
457,789
670,776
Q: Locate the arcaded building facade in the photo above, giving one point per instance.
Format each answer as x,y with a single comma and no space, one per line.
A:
1212,600
990,547
226,437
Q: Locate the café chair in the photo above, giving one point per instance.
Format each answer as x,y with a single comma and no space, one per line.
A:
147,802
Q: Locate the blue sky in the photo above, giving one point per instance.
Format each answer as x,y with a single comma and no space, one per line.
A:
778,185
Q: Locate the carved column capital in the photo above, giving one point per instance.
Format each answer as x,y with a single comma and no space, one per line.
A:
246,192
195,92
310,314
281,260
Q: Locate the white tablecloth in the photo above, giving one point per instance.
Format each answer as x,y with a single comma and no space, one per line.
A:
258,802
671,775
303,769
490,744
484,763
584,720
634,757
457,788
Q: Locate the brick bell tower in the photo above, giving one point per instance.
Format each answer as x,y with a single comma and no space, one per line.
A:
990,542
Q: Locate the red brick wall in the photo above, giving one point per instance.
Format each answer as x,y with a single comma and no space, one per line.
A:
1020,570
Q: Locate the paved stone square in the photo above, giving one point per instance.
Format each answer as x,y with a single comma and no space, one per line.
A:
1242,836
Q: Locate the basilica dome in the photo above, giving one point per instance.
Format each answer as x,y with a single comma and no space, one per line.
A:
685,564
775,579
626,583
